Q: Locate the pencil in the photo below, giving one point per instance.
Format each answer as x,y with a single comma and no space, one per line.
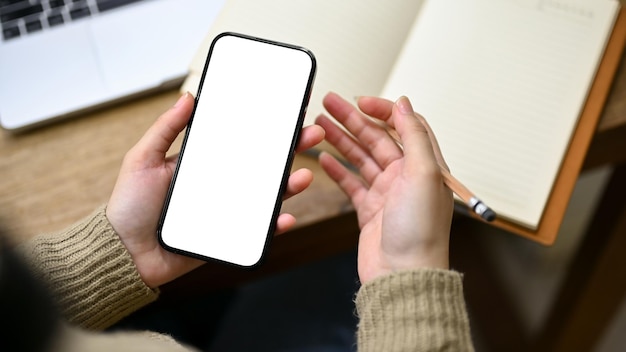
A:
477,206
473,202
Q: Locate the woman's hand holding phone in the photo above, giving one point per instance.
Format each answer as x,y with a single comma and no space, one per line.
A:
137,199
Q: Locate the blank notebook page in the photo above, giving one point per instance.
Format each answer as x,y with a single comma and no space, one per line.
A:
502,84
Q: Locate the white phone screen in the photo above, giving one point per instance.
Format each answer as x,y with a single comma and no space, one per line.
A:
238,148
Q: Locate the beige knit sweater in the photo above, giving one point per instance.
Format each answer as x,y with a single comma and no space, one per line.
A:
96,284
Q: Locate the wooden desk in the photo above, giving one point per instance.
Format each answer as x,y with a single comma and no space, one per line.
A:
54,176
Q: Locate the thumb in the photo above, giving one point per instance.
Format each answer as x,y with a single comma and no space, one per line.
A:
415,136
159,137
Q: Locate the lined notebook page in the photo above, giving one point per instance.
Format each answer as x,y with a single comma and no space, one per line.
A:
502,84
355,42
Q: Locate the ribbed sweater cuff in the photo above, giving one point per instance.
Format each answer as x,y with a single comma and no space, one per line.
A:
90,272
421,310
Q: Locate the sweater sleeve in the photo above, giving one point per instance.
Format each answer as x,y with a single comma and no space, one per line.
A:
421,310
90,273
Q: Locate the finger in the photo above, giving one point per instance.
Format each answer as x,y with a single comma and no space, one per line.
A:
381,108
284,223
345,143
355,151
159,137
418,148
367,132
433,140
309,137
351,150
349,183
298,181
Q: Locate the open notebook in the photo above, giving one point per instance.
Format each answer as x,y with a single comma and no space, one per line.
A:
502,83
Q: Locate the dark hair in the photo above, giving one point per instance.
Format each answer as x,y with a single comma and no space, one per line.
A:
29,316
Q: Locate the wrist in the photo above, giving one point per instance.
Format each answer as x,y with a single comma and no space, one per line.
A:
393,263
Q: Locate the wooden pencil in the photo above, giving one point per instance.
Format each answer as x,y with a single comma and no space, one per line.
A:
477,206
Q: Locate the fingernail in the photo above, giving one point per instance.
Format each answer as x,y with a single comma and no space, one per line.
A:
404,105
182,99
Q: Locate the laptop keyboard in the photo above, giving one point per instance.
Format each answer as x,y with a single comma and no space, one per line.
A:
21,17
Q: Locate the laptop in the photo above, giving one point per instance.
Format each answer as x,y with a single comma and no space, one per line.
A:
62,58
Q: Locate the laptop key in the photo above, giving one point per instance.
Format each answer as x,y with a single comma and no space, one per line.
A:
56,3
10,32
80,13
33,26
105,5
55,20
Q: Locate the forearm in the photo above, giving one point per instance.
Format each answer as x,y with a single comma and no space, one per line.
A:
421,310
90,272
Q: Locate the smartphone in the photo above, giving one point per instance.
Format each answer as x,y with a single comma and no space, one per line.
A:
239,145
